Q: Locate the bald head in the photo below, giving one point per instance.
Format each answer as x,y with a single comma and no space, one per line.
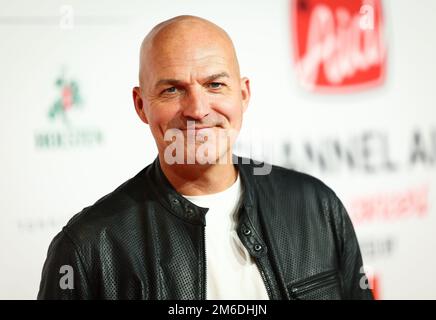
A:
184,37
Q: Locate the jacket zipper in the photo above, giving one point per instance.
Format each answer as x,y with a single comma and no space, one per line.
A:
265,281
205,265
311,284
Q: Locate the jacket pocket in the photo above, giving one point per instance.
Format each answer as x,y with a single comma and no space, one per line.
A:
322,286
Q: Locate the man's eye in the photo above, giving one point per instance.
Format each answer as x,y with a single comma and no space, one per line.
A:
216,85
170,90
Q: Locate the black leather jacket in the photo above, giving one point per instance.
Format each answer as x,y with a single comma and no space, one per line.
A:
145,241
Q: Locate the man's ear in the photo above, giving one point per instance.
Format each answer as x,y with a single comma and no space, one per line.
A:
245,93
139,104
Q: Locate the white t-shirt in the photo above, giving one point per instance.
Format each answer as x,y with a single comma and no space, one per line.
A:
231,271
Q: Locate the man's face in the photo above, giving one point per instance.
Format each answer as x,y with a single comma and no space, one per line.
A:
194,79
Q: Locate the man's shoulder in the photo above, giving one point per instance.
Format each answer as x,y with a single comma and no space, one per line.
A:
296,194
280,178
109,212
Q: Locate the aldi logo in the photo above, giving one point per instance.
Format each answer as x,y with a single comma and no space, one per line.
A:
338,44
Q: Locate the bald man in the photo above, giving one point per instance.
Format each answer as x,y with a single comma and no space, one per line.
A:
200,222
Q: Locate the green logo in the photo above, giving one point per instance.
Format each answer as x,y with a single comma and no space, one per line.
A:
69,136
69,98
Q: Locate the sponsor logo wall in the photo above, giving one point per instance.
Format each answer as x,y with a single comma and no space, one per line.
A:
342,90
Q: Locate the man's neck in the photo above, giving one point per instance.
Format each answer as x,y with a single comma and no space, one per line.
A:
197,179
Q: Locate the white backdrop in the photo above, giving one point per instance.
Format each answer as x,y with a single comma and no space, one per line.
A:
376,148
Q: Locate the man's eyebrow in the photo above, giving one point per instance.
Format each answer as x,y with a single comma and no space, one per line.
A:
167,81
217,76
173,82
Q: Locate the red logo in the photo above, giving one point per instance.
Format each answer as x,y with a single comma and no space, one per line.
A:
338,44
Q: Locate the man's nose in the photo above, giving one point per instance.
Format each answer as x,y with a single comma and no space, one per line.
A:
196,105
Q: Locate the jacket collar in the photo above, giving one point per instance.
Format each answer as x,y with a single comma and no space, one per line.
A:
183,208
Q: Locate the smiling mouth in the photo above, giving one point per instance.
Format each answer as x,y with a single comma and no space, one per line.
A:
199,128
